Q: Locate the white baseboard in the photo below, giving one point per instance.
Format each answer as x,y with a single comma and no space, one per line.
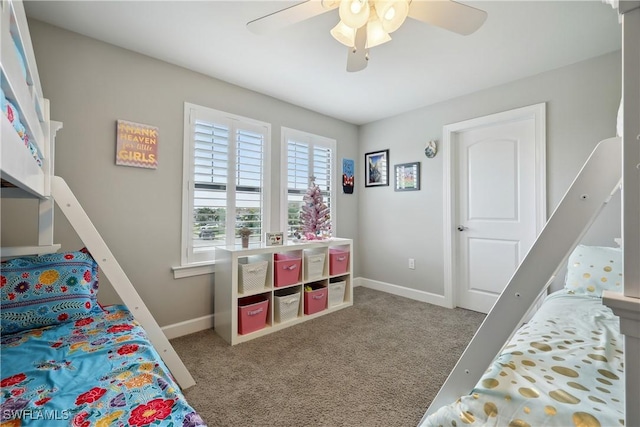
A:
206,322
401,291
188,326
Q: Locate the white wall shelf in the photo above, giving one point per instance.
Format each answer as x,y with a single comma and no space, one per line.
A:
227,289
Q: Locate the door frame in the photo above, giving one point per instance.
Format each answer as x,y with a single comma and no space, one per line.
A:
450,159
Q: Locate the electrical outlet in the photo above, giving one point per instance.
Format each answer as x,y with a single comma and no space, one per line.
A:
412,263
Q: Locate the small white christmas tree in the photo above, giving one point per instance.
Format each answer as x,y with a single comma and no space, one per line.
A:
315,219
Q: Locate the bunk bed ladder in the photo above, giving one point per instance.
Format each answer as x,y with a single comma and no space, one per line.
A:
78,218
588,194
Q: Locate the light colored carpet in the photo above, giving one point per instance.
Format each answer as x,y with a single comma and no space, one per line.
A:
378,363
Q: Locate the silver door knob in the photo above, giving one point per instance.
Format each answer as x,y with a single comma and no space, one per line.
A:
462,228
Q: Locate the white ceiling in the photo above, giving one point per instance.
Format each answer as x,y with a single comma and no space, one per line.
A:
302,64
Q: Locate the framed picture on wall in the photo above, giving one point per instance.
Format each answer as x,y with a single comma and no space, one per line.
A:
376,166
348,169
407,176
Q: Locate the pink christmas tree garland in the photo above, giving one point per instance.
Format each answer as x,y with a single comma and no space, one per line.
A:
315,218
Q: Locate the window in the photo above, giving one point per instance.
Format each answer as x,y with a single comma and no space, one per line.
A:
306,155
225,184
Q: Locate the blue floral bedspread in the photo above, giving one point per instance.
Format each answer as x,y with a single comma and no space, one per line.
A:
96,371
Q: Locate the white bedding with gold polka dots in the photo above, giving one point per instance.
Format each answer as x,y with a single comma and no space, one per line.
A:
563,368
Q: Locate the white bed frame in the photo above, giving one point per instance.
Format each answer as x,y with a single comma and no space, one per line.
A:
581,204
20,169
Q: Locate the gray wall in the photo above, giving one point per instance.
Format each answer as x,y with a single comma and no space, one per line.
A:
582,103
138,211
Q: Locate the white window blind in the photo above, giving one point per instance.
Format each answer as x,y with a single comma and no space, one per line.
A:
249,196
226,184
306,156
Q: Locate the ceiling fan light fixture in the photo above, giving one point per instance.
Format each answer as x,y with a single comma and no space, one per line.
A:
392,13
376,34
354,13
344,34
328,4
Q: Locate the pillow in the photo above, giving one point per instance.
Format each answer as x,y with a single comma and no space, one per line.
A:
46,290
593,269
13,115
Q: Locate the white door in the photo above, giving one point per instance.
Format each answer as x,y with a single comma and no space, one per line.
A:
497,171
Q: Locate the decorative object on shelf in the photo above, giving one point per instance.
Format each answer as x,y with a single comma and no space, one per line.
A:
348,172
407,176
274,239
431,149
376,168
136,145
244,235
315,218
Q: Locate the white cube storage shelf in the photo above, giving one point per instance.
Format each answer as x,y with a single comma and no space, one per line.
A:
241,273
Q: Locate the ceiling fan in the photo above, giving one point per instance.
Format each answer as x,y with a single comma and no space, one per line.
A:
367,23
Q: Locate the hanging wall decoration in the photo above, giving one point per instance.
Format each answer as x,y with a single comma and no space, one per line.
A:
376,168
136,145
407,176
431,149
348,172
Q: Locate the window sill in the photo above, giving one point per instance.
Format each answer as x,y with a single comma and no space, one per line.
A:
182,271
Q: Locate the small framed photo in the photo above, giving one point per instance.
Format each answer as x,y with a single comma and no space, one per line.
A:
376,168
348,168
274,239
407,176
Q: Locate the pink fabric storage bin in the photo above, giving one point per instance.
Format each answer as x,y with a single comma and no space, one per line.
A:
315,301
287,269
252,313
338,261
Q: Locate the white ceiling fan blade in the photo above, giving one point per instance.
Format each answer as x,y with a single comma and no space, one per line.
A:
357,57
450,15
290,15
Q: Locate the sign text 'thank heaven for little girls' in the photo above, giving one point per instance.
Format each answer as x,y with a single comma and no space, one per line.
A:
137,145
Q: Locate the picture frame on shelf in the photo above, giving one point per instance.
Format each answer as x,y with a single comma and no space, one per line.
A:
274,239
407,176
376,168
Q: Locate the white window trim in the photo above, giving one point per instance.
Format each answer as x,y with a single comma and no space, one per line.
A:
206,266
288,133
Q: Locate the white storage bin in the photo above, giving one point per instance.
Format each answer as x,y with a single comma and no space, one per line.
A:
336,293
313,266
253,276
286,307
